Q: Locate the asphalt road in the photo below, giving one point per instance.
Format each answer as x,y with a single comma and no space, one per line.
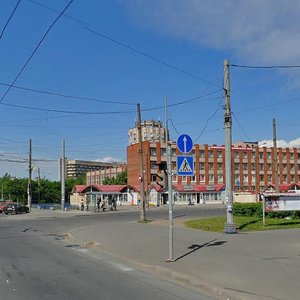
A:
38,262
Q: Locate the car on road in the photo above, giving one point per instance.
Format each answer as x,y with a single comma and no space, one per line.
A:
16,208
3,205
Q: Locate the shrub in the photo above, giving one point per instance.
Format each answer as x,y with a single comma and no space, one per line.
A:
247,209
255,210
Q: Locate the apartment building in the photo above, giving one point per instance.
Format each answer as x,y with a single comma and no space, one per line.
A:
151,131
96,177
253,168
75,168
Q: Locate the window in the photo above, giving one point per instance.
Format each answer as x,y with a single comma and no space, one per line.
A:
245,178
210,154
153,165
268,155
236,155
193,178
261,177
211,166
211,178
174,178
253,167
291,156
269,178
163,152
261,155
220,178
236,167
220,167
184,178
201,153
219,154
245,167
153,178
201,178
201,166
245,155
261,167
284,155
153,151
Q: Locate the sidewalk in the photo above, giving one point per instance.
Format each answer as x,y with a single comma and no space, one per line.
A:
257,265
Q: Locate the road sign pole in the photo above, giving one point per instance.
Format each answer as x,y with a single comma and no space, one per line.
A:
170,198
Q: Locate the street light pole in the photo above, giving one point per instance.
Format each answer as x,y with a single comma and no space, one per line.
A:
230,226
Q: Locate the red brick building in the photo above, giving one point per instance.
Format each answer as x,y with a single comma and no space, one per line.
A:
253,168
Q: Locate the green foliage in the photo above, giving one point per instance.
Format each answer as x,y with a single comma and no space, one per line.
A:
247,209
121,179
43,190
255,210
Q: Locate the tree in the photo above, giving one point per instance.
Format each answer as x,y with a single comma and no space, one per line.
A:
121,179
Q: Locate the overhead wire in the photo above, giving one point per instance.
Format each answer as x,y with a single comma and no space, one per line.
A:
265,67
130,47
209,118
9,19
107,112
35,49
64,95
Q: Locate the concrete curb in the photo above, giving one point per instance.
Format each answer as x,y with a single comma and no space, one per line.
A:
183,279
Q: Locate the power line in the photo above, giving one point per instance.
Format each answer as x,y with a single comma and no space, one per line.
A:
150,56
35,49
108,112
64,95
127,46
265,67
246,135
10,17
208,119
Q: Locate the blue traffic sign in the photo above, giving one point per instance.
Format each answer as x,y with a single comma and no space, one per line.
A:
185,165
184,143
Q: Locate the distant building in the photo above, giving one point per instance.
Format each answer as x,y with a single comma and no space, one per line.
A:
152,131
253,169
76,168
97,176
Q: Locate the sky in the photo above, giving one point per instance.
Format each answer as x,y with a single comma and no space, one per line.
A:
79,79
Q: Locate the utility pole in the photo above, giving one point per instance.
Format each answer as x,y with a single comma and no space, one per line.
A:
63,176
229,226
39,183
141,177
29,188
170,189
275,157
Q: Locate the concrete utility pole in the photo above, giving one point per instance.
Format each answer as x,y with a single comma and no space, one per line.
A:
230,226
275,157
170,188
141,177
29,188
63,189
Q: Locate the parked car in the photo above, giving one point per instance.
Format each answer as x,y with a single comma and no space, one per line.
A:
16,208
3,205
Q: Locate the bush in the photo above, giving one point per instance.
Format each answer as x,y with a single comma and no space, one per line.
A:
255,210
247,209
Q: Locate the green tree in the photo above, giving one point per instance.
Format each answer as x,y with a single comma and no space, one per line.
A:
121,179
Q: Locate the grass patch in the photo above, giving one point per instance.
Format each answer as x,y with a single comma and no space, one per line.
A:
217,224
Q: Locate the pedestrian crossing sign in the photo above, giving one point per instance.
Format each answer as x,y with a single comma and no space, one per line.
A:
185,165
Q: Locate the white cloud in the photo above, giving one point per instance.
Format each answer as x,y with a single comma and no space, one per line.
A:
257,31
109,159
281,143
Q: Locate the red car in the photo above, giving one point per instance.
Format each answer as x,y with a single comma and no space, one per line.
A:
16,208
3,205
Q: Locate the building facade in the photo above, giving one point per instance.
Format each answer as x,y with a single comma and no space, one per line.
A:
253,168
97,177
75,168
152,131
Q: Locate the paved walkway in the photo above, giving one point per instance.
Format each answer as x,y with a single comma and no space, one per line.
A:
257,265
